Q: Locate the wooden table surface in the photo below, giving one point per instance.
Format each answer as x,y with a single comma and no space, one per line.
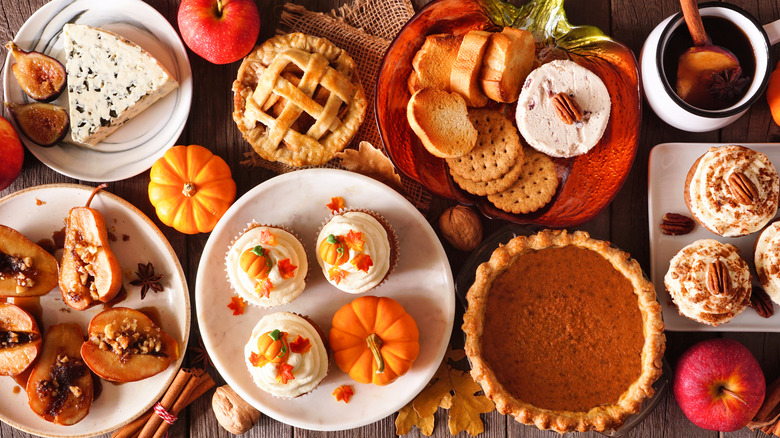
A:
623,222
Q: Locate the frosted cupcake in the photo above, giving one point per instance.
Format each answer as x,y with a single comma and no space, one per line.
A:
267,266
356,251
286,355
767,258
709,282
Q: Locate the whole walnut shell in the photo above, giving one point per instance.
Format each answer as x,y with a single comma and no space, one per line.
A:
461,226
232,412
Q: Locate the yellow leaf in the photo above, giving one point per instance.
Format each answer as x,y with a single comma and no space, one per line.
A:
370,161
407,417
446,402
429,399
466,407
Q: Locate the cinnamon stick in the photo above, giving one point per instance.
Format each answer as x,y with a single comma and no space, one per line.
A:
200,380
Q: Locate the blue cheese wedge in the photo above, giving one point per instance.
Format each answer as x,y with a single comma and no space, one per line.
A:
110,81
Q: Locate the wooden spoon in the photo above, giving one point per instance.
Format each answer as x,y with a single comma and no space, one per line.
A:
708,76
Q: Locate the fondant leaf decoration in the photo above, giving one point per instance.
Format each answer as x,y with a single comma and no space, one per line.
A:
362,262
336,274
286,268
336,204
300,345
237,305
267,238
354,240
343,393
264,287
284,373
257,360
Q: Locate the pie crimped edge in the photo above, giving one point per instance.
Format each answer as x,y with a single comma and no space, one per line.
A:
309,151
600,418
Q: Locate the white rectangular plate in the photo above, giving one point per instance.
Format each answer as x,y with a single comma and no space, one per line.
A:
669,165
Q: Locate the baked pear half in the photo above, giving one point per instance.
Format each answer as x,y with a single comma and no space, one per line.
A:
20,339
26,269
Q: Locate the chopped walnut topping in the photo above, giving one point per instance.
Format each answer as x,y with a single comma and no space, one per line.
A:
19,268
124,339
75,390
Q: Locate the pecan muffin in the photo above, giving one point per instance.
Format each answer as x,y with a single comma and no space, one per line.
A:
732,190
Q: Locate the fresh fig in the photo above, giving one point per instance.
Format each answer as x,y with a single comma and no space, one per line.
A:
43,123
26,269
124,345
60,386
20,340
90,272
42,77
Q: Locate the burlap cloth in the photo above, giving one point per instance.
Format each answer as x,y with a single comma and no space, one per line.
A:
365,29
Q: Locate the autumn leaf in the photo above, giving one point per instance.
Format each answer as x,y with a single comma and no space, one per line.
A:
284,373
267,238
264,287
300,345
354,240
343,393
362,262
408,417
286,269
237,305
336,274
466,407
336,204
257,360
371,162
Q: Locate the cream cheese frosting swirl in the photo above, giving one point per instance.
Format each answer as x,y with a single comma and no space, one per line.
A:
687,282
307,368
713,196
375,245
277,245
767,258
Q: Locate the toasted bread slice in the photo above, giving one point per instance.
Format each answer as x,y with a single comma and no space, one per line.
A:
441,120
464,78
433,62
508,59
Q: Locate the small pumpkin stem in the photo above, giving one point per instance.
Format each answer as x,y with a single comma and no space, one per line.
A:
189,189
375,344
94,192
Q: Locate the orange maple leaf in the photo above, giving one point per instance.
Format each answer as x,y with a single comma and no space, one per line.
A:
284,373
267,238
300,345
354,240
362,262
237,305
343,393
264,287
336,204
286,269
336,274
257,360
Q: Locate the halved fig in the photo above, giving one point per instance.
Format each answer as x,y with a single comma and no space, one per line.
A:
26,269
124,345
43,123
42,77
60,386
90,272
20,340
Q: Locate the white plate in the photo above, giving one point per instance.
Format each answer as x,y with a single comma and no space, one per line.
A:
118,404
669,165
134,147
421,282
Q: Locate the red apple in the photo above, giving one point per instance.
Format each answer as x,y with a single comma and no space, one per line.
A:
12,153
221,31
719,385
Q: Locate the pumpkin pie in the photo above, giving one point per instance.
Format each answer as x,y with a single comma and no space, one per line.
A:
564,332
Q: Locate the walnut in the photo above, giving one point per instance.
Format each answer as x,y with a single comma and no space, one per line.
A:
232,412
461,227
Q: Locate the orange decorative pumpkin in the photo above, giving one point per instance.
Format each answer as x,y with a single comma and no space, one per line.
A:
333,251
374,340
191,188
273,346
255,262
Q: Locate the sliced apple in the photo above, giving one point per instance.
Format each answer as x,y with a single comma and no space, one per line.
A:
20,340
26,269
59,389
124,345
90,272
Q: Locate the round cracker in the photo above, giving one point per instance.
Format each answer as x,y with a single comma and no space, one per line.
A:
482,188
497,149
533,189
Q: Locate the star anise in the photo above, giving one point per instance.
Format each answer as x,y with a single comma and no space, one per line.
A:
728,84
201,357
147,279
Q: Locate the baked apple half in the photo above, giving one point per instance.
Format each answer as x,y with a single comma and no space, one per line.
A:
26,269
90,272
20,339
124,345
59,389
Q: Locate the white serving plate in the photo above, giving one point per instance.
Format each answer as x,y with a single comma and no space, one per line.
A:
117,404
421,282
134,147
669,165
